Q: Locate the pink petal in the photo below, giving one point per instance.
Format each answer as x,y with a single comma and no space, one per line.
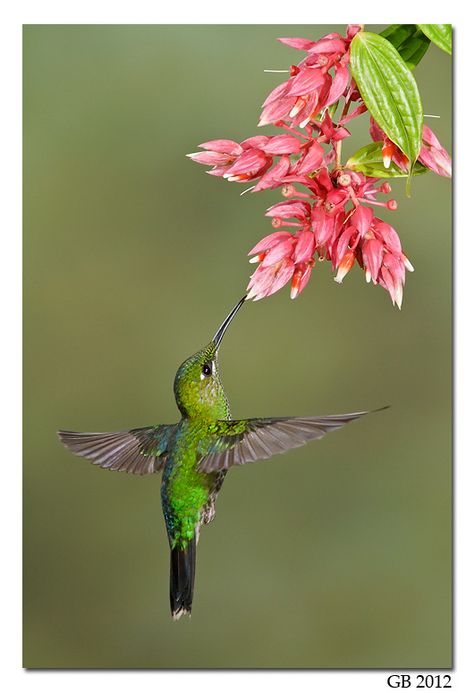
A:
337,197
430,138
273,177
436,162
322,225
323,93
304,180
277,93
305,245
306,81
304,109
339,83
250,161
210,158
362,219
282,144
223,146
255,142
324,180
269,241
352,30
372,251
282,276
328,45
386,280
376,133
388,234
344,244
285,210
277,110
311,160
356,112
433,154
266,280
281,250
396,266
300,44
260,282
218,170
340,134
390,281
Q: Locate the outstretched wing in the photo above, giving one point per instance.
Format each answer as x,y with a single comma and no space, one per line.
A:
139,451
248,440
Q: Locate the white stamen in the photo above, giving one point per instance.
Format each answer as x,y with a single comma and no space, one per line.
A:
368,276
254,259
295,110
304,123
429,115
276,70
248,190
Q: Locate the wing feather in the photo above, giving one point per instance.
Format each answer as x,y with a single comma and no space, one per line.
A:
138,451
239,442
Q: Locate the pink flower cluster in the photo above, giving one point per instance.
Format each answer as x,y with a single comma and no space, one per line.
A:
333,222
327,213
311,87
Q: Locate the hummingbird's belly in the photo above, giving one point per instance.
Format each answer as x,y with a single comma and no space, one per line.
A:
184,493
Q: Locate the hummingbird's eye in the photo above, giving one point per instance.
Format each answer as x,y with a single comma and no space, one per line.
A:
207,369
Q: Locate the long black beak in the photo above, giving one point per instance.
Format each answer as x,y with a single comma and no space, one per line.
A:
217,339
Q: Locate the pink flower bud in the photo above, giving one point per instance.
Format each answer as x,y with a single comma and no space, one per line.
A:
344,266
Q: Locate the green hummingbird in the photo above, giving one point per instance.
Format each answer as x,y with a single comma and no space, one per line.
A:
196,453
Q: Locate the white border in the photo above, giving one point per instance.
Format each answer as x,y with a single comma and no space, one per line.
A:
143,12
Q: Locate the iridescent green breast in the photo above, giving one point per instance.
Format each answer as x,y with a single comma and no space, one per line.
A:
184,490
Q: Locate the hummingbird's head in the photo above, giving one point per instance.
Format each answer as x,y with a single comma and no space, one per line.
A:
197,386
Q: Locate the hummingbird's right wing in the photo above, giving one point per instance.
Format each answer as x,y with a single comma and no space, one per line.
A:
248,440
139,451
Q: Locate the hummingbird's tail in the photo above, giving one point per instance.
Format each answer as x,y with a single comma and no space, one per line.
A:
182,567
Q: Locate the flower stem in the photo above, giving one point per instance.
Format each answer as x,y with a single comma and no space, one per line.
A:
338,150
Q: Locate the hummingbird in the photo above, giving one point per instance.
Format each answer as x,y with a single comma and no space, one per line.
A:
195,454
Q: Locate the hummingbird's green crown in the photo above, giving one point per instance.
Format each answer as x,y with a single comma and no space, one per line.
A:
197,387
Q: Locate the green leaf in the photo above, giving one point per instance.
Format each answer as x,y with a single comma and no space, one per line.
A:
409,41
368,160
413,54
389,91
441,34
397,34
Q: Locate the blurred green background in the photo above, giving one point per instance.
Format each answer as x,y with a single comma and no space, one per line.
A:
336,555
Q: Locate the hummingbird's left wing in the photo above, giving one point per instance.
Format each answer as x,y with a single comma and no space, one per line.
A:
248,440
138,451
